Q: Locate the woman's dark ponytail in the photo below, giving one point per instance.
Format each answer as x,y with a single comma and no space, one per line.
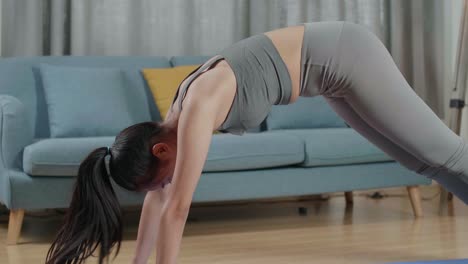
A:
94,217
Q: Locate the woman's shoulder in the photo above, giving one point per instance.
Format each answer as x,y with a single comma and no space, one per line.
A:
209,86
210,83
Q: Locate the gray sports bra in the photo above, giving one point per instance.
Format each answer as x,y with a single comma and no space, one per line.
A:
262,80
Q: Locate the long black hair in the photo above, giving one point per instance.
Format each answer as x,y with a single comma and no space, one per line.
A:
94,218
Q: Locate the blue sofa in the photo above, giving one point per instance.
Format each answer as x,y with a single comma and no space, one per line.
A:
299,149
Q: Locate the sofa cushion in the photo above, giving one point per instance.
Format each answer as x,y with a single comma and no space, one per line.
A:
85,102
62,156
253,151
20,78
335,146
306,112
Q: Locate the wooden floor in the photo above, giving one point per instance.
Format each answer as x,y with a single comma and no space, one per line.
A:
369,231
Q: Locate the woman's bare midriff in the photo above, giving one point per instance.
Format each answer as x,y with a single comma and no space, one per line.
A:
288,42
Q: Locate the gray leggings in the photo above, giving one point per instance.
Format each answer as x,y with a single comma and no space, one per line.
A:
350,67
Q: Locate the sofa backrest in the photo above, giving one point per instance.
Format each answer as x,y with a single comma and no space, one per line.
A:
306,112
19,77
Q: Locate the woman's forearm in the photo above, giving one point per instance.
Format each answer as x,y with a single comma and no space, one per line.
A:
148,227
195,130
170,237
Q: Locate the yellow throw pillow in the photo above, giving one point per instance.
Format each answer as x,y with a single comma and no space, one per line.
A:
164,82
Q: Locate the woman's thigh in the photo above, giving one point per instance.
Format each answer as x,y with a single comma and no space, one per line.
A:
359,79
344,110
356,66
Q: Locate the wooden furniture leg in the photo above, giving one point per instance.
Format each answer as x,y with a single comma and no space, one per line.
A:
349,197
14,226
415,197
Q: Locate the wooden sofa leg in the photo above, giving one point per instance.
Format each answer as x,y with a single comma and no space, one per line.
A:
14,226
415,198
349,197
450,196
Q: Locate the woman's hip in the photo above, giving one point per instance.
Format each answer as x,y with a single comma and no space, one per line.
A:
330,52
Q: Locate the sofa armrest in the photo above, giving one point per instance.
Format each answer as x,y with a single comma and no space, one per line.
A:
16,132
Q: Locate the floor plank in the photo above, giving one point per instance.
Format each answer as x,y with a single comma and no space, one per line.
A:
367,231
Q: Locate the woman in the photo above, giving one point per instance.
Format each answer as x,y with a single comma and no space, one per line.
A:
232,92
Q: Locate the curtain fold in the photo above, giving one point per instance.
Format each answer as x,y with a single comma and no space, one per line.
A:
411,30
155,27
270,14
417,47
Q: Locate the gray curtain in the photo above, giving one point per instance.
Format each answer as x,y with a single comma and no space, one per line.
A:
411,30
418,46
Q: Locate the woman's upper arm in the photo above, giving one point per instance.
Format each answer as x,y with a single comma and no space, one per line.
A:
195,130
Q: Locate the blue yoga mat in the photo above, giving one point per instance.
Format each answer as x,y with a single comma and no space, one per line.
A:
451,261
